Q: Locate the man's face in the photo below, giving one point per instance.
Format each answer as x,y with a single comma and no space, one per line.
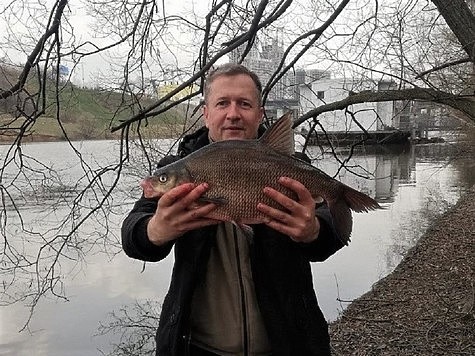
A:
232,110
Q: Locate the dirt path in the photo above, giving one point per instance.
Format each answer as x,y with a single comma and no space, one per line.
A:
426,306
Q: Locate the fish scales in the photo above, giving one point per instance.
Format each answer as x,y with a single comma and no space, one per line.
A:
238,170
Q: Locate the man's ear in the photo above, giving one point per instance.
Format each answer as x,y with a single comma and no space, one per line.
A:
205,115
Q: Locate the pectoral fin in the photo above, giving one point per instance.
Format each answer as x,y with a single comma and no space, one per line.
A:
218,201
318,199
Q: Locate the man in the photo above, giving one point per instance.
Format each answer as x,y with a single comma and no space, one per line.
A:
228,295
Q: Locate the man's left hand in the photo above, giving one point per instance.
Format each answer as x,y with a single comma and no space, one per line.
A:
299,221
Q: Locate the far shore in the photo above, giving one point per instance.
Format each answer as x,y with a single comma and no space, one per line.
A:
8,140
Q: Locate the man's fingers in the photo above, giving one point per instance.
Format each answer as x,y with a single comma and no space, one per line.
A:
302,192
200,211
281,198
186,194
297,219
273,213
170,197
196,224
192,197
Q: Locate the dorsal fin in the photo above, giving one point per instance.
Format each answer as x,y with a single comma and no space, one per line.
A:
280,136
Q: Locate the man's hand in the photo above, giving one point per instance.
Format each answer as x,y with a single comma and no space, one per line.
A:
177,212
299,222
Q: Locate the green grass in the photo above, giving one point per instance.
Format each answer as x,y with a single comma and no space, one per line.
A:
86,113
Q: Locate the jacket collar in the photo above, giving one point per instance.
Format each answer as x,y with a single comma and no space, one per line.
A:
193,142
199,139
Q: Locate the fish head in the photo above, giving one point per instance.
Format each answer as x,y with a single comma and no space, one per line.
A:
164,179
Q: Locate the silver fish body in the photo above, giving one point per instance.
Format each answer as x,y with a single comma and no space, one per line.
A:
238,170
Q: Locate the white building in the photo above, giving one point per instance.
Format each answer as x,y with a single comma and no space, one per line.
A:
372,116
306,89
263,59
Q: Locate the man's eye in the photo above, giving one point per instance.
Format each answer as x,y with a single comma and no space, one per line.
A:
221,103
246,104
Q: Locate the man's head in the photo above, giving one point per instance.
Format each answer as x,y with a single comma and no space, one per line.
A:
233,103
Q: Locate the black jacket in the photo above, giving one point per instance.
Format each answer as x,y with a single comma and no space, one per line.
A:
280,268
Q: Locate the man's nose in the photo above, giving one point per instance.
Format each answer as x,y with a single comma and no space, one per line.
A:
233,111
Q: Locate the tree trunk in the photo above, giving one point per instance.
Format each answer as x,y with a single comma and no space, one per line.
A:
461,21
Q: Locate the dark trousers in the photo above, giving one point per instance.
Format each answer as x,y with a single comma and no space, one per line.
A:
196,351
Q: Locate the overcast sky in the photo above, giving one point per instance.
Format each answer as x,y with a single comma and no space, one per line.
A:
17,31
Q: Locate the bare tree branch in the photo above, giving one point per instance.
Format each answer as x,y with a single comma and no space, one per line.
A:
31,61
443,66
465,105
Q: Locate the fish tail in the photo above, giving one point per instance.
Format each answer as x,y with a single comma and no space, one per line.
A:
359,202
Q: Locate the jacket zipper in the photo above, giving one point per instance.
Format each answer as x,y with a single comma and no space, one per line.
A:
243,299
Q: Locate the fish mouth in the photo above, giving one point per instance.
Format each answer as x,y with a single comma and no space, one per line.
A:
148,188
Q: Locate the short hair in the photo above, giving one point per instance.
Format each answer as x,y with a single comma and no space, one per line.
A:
230,69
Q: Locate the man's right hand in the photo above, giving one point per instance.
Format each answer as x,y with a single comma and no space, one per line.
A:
179,211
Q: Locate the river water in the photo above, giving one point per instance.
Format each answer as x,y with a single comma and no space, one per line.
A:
94,278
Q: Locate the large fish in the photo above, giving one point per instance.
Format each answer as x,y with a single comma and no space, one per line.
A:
238,170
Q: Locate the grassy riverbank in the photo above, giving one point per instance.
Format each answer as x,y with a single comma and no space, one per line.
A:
50,129
427,305
66,111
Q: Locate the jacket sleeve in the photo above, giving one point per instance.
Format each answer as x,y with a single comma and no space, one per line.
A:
328,241
135,240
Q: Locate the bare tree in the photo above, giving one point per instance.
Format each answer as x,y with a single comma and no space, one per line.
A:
136,326
420,46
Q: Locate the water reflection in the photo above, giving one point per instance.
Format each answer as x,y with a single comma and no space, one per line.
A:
417,185
414,184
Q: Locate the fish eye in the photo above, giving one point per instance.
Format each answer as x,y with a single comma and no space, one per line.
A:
162,178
